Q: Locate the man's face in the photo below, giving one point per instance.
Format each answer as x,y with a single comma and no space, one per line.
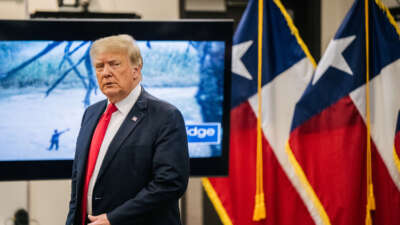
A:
116,75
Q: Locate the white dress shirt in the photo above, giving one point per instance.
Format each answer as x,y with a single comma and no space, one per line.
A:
123,106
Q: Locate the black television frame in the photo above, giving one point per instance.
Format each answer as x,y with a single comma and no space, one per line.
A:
91,29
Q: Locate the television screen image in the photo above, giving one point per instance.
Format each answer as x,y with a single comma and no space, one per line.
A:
47,82
54,81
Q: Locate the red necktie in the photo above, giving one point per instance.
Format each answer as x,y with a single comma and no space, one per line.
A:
95,145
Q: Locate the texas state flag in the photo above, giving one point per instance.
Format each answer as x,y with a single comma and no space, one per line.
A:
329,134
286,70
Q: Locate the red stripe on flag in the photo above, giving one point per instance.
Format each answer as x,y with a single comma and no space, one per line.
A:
397,142
283,204
387,196
331,149
238,190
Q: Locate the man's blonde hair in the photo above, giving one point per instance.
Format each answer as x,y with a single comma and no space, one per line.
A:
122,43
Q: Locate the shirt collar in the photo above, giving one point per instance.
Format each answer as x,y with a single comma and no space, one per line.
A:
126,104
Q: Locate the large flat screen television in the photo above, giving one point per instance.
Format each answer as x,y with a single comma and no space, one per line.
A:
47,81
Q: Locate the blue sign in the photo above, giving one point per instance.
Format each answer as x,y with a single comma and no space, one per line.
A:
207,133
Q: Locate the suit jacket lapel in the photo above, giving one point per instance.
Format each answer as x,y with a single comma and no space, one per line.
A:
84,145
134,117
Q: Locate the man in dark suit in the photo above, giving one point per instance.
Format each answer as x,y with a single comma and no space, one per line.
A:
131,163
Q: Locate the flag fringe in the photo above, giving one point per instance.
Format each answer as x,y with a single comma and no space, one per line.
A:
368,219
219,207
259,209
307,186
295,32
388,15
370,205
372,197
396,159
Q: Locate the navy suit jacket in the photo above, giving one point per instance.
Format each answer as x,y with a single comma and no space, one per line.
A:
145,170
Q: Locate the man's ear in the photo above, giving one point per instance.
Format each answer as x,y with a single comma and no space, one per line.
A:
136,72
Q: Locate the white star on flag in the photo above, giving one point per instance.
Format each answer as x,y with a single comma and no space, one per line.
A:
238,66
334,57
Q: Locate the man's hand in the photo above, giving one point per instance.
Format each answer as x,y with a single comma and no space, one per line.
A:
99,220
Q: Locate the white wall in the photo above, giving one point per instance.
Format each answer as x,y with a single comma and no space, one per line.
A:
12,9
13,196
205,5
194,202
148,9
49,201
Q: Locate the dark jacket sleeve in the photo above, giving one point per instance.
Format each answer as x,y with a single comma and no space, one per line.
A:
170,170
73,201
